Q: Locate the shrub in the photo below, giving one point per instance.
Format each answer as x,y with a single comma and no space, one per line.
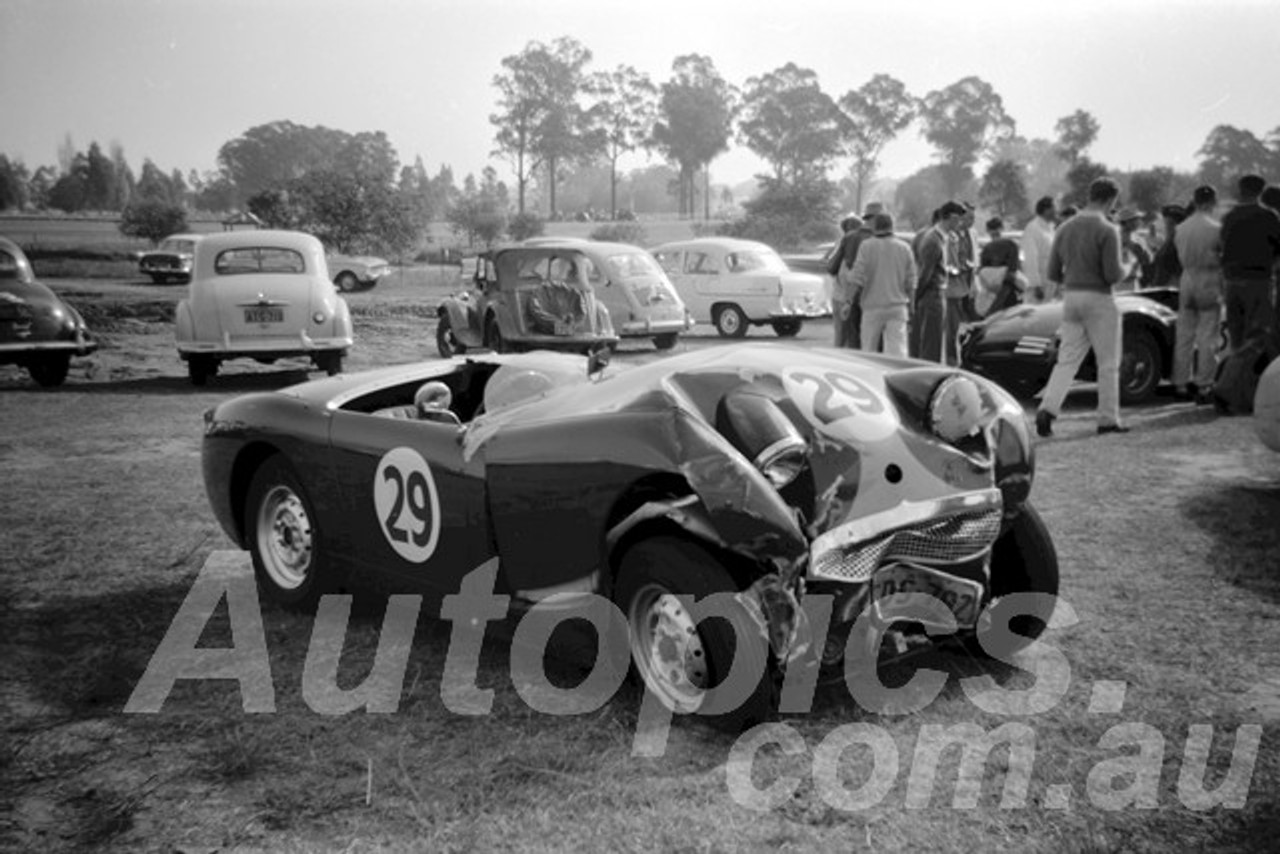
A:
525,225
620,232
152,219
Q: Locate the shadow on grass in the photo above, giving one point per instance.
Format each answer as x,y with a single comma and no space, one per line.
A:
1242,520
225,383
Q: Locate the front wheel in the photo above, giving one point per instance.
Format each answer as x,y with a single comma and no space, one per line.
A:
281,531
787,327
730,321
1139,367
446,342
684,661
1023,560
50,371
666,340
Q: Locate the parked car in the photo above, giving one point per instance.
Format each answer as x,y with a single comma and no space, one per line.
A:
356,272
770,472
171,260
737,283
261,295
1018,347
38,331
811,262
527,297
1266,406
641,300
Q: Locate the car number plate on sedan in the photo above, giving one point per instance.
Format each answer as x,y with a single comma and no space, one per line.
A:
264,315
960,595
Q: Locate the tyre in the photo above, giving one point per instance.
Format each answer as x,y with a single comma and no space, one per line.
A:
1023,560
346,282
330,362
200,368
446,342
787,327
730,321
280,530
50,371
1139,367
682,663
160,278
666,341
493,336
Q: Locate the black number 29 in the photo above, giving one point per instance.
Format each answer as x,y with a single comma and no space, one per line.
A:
413,491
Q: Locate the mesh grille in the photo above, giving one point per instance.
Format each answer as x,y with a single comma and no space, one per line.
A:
947,540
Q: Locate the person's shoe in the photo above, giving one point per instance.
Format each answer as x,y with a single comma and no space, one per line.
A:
1104,429
1044,423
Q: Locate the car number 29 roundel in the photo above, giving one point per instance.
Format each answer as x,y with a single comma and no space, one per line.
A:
839,404
408,508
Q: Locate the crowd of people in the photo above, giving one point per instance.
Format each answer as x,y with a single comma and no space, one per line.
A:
912,298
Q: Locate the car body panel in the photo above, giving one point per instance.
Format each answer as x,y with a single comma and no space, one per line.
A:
1266,406
35,323
711,272
172,260
366,270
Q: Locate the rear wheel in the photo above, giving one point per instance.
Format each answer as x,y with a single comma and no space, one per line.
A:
347,283
50,371
1139,367
666,340
330,362
1023,560
493,336
446,342
787,327
200,368
684,662
280,527
730,321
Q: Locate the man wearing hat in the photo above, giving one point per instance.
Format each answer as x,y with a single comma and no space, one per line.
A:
935,270
884,278
1134,255
1166,267
1198,241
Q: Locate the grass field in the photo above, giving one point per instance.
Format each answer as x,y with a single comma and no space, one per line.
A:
1170,557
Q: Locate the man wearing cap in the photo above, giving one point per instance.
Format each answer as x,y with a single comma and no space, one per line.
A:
884,278
1250,249
1085,259
1135,257
1037,239
1166,267
935,269
1198,243
841,290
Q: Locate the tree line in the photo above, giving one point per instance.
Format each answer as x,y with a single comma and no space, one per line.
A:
562,127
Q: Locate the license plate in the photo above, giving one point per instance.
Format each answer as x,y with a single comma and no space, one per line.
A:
264,315
563,328
961,596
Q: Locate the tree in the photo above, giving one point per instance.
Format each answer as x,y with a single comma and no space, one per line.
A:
153,219
100,180
918,196
40,187
126,183
962,121
1079,177
154,185
1151,189
1076,133
13,184
788,216
791,123
273,154
695,116
70,192
1229,152
1003,190
626,111
874,114
1044,171
479,214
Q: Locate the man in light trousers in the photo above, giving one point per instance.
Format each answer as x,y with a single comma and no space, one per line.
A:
1085,259
884,278
1198,241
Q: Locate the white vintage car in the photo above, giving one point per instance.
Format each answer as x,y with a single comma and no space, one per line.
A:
736,283
356,272
261,295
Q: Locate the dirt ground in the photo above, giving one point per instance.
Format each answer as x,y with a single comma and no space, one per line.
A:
1170,555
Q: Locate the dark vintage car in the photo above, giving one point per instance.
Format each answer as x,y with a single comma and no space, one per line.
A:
38,330
527,297
769,473
1019,346
171,261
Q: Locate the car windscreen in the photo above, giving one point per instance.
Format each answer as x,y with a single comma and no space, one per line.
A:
754,260
258,259
633,265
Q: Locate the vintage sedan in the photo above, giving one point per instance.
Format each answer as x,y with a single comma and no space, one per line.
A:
356,272
811,262
171,260
527,297
38,331
262,295
735,284
896,490
1018,347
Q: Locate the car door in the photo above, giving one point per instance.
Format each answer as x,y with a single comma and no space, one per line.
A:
415,507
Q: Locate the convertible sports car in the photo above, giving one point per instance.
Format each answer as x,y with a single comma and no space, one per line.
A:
38,330
1018,347
771,473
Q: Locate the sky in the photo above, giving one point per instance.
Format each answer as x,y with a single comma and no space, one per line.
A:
172,80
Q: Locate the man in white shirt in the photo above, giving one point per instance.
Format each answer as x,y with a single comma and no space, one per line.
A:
1037,239
884,276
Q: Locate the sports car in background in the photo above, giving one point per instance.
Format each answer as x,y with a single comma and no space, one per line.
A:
356,272
1018,347
38,331
171,260
770,473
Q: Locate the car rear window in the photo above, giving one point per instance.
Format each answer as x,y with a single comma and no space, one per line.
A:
8,266
258,259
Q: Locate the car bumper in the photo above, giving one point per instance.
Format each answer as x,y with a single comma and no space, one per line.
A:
301,345
14,351
645,328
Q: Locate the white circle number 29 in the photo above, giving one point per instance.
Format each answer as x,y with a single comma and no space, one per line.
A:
408,508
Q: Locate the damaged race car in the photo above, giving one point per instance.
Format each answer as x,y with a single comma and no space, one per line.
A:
771,474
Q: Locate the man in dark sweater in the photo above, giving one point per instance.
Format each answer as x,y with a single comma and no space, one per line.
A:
1085,259
1250,248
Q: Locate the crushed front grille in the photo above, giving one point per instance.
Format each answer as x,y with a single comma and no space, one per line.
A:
936,541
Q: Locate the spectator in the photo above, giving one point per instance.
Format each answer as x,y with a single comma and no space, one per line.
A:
1166,267
960,285
1067,213
1198,244
1000,282
1135,257
933,273
1085,260
919,235
841,290
884,277
1250,250
1037,238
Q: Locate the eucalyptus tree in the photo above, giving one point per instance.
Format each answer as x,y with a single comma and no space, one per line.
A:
963,121
695,120
625,111
875,113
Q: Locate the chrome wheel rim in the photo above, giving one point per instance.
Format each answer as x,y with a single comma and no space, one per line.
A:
667,649
729,322
284,538
1137,368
